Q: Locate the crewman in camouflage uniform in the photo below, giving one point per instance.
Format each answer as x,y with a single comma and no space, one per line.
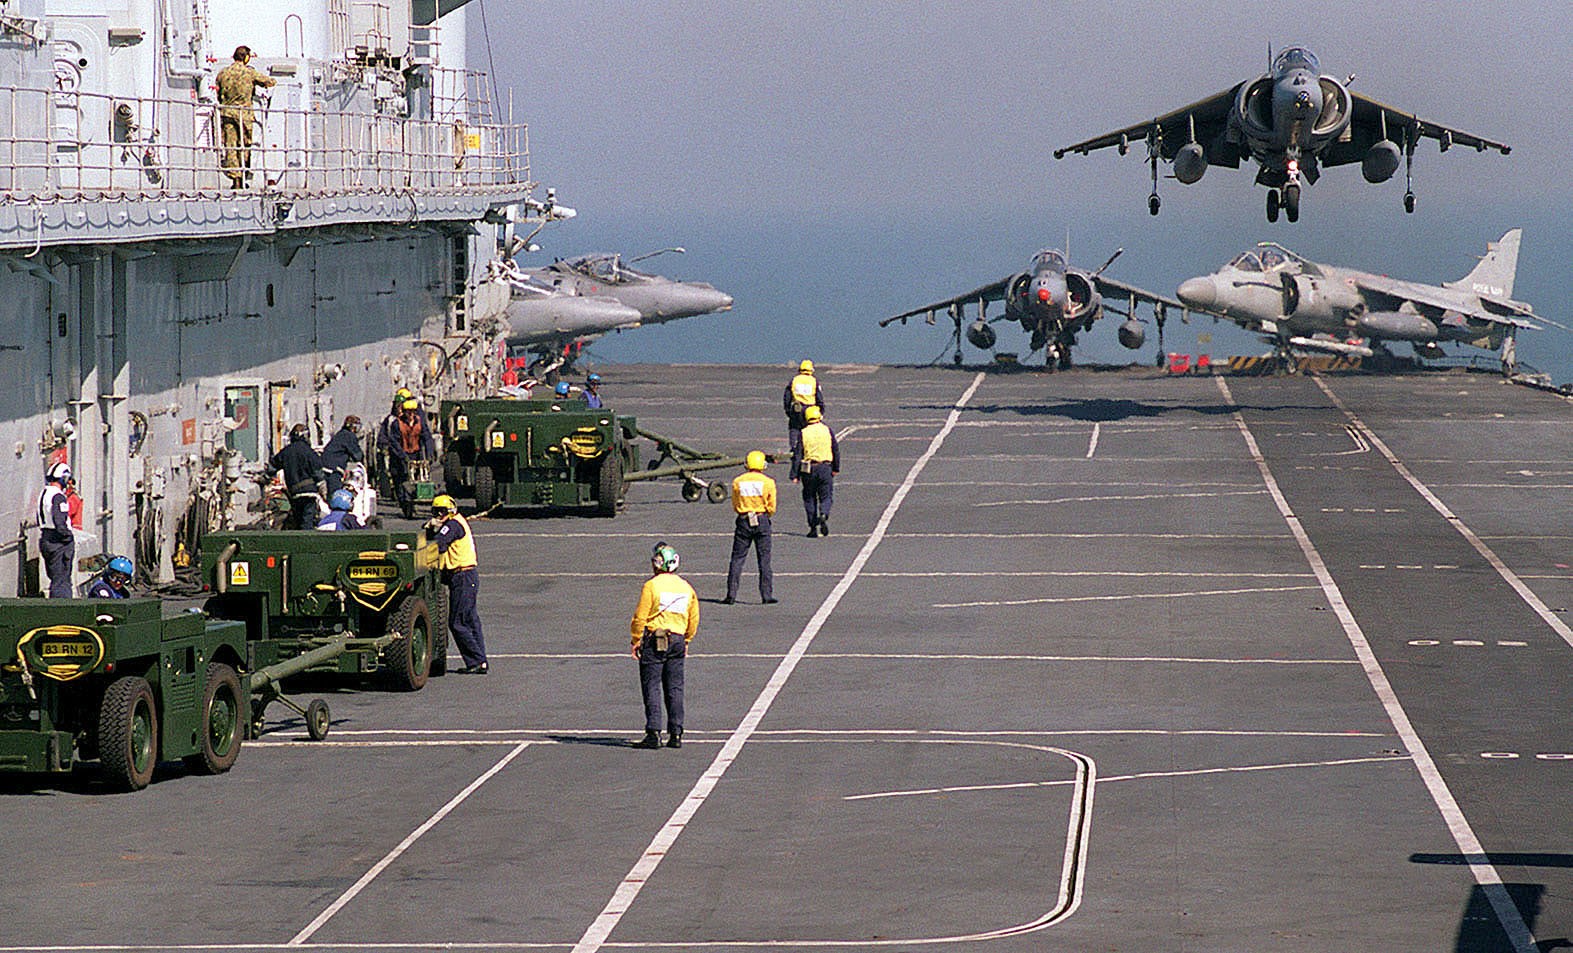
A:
236,84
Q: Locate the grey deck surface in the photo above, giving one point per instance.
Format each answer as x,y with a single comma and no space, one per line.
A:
1087,691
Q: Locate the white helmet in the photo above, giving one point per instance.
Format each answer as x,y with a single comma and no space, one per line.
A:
60,473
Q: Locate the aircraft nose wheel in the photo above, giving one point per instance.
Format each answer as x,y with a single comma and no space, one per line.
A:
1292,202
1409,201
1272,205
1154,203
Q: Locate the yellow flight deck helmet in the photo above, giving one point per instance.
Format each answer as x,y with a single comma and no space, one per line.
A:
807,367
443,503
410,403
756,460
402,393
813,415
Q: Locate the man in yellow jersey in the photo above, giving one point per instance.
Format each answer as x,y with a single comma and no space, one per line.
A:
666,619
456,559
802,392
754,499
816,459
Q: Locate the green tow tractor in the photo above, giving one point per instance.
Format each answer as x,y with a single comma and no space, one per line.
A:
125,683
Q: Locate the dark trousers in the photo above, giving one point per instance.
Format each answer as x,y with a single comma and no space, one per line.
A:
57,563
744,536
464,617
305,509
335,480
817,483
399,474
661,677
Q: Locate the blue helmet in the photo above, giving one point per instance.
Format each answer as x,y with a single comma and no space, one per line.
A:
593,379
562,389
122,566
342,499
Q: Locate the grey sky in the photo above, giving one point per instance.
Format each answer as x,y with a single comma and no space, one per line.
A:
674,122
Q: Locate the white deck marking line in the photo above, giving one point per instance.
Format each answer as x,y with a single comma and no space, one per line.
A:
1519,586
596,934
1181,536
1142,776
1484,872
1122,497
970,574
404,845
816,733
1092,445
958,656
1122,597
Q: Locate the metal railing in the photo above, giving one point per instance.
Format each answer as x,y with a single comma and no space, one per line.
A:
58,143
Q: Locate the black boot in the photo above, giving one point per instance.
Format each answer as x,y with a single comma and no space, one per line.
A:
651,740
824,527
813,530
674,738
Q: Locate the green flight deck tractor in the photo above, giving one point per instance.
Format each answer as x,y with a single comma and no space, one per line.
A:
377,591
560,454
126,683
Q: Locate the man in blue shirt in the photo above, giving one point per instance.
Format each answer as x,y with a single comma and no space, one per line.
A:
592,392
113,582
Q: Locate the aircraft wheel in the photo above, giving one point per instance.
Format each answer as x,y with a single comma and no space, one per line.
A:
1154,203
692,492
1292,203
717,492
1272,205
1409,201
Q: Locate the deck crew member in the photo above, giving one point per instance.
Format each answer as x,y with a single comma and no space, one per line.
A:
339,515
592,392
802,392
407,438
56,541
816,459
663,624
457,560
113,582
754,500
341,451
237,85
302,468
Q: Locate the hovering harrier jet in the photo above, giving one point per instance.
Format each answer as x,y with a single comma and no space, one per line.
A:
1293,121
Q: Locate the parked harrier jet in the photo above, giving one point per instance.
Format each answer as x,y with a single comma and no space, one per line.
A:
1288,299
545,318
657,299
1292,121
1053,302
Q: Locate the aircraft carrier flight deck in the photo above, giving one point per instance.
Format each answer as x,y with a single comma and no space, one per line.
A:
1097,661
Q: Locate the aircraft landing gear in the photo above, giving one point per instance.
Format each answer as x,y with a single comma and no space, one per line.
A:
1409,202
1272,205
1409,172
1153,202
1292,202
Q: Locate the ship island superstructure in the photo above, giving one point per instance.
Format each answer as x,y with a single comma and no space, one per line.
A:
161,330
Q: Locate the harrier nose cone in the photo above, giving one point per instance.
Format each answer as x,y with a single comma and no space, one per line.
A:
1198,292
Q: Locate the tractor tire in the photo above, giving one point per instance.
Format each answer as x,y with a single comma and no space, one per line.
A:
221,722
409,658
609,485
128,734
485,486
438,607
717,492
452,474
691,492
